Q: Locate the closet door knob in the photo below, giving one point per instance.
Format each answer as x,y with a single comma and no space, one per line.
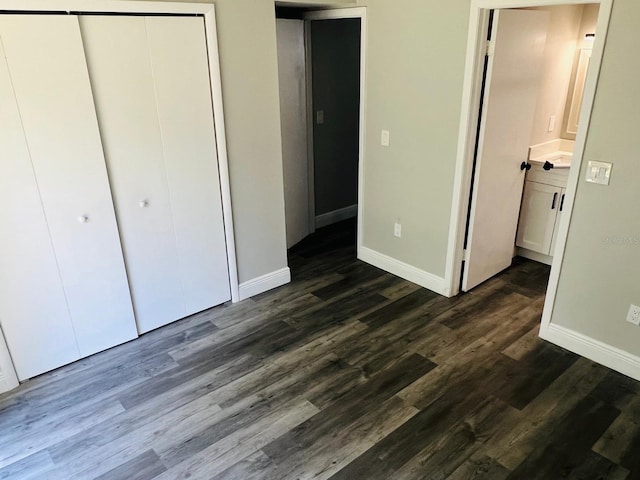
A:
83,218
144,203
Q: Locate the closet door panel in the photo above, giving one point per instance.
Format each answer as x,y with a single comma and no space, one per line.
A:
48,69
122,81
33,310
177,47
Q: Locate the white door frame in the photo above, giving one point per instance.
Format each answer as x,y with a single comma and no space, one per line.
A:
334,14
207,11
476,48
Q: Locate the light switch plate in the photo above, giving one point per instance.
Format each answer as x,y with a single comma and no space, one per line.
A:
599,172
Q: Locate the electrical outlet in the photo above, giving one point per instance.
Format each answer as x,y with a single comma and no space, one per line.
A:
384,138
552,123
397,230
634,315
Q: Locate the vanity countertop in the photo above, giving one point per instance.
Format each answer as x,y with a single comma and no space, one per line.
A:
559,159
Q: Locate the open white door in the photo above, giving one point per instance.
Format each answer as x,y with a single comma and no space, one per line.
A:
512,83
293,118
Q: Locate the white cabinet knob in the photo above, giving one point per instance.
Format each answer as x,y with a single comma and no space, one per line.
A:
83,219
144,203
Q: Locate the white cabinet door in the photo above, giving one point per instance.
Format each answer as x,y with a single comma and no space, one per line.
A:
49,78
557,224
151,87
540,204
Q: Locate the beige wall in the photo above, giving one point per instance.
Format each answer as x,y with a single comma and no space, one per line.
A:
600,274
559,54
415,68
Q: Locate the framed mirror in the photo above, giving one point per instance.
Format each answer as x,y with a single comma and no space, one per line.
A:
575,94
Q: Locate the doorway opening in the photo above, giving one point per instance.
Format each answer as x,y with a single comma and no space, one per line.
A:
321,73
531,77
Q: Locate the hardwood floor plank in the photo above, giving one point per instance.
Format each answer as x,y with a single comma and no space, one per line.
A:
524,345
518,436
33,467
480,468
130,435
408,305
144,467
20,443
444,456
230,450
596,466
569,443
335,449
349,407
252,467
531,375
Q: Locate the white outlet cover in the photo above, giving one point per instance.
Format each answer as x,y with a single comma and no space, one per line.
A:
384,138
397,230
634,315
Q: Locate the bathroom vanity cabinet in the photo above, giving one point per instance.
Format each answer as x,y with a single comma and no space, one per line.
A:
542,206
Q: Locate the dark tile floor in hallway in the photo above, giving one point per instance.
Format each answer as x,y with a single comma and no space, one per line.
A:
346,373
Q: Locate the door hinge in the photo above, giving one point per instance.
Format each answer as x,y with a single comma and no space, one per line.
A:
465,255
491,48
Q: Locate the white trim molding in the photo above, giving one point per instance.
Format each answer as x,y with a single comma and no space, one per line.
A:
614,358
106,6
221,145
264,283
404,270
207,11
336,216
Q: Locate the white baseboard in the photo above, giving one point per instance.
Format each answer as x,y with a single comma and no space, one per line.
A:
404,270
336,216
264,283
602,353
535,256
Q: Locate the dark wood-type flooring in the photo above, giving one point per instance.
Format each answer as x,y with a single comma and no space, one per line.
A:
346,373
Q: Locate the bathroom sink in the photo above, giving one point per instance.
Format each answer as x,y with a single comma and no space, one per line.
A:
561,161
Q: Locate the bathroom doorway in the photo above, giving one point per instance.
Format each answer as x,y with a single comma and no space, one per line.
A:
492,179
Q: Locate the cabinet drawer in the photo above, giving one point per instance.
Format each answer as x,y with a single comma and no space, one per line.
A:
556,176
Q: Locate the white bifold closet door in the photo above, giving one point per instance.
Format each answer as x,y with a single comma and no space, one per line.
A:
63,285
151,87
